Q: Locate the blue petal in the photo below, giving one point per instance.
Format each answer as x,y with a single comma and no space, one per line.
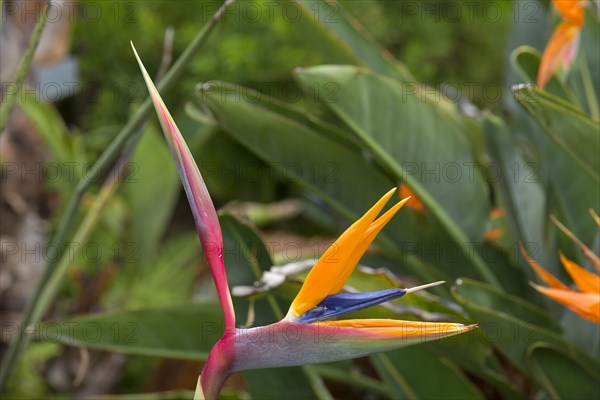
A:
342,303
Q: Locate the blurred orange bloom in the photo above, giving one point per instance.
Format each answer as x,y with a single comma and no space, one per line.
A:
585,301
414,203
563,44
571,10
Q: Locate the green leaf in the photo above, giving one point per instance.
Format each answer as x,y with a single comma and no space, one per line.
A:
404,133
304,155
585,75
567,186
416,372
519,185
573,131
415,142
488,297
271,383
580,331
561,374
299,153
186,331
152,179
475,354
336,24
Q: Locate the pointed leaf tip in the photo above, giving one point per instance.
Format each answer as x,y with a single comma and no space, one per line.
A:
203,210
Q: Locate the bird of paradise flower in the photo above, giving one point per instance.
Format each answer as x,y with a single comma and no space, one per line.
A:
298,338
563,44
586,301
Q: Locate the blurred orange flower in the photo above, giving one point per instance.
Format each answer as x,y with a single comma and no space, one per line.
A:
586,300
563,44
414,203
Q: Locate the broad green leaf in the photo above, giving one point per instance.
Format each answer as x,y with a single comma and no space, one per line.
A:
561,374
475,354
151,180
522,195
415,143
338,25
573,192
568,188
186,331
344,372
488,297
589,46
512,276
580,331
568,195
519,185
585,73
335,30
409,138
271,383
300,154
574,132
293,111
406,378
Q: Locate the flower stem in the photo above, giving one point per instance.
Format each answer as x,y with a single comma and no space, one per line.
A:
11,97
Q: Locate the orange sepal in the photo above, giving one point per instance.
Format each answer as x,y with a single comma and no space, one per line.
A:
560,50
571,10
586,305
542,273
586,281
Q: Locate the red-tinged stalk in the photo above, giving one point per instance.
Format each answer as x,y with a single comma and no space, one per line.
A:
219,365
201,204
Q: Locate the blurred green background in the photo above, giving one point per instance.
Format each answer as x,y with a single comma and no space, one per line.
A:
312,113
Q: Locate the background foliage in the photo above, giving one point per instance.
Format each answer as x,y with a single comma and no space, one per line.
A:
326,114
